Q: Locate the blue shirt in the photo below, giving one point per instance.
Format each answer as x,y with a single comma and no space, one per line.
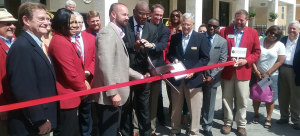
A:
36,39
238,37
8,42
212,38
185,40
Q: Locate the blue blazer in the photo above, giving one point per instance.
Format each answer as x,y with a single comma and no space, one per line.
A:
296,61
30,76
196,55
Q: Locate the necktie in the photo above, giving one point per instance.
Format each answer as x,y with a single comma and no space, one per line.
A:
209,41
137,33
78,47
45,50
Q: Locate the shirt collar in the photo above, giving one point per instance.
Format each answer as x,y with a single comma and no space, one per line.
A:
188,36
8,42
295,41
121,33
35,38
212,36
135,23
242,32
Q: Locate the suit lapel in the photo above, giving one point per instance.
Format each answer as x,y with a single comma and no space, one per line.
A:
243,43
180,48
39,50
4,47
145,31
119,37
85,43
191,43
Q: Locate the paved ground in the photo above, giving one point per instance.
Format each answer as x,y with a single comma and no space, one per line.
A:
252,129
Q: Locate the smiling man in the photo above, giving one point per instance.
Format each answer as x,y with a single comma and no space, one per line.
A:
31,74
94,22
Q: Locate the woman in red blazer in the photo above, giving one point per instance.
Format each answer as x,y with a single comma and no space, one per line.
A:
69,69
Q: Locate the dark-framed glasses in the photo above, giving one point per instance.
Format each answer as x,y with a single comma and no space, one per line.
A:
175,15
214,26
273,33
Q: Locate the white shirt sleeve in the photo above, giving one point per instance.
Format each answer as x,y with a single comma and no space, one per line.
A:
281,48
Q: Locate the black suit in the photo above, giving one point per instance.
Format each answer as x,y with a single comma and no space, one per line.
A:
140,93
196,55
30,76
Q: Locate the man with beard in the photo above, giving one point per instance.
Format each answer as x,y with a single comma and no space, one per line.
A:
112,67
211,78
94,22
139,38
236,78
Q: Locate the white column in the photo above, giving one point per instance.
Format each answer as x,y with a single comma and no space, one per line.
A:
173,5
102,6
216,4
273,7
195,7
291,13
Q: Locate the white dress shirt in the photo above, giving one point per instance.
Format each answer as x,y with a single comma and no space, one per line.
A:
290,48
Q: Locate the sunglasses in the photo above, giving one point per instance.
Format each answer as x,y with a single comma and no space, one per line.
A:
175,15
273,33
210,25
8,23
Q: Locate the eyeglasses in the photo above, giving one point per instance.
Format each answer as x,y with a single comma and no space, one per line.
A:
273,33
175,15
43,19
210,25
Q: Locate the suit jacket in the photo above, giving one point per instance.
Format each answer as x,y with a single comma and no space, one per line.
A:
31,76
4,86
156,55
138,58
217,54
251,42
112,65
296,61
89,53
69,69
196,55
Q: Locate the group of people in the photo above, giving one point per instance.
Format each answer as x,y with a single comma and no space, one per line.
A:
57,55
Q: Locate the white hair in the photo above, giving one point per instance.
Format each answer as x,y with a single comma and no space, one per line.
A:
70,2
77,14
188,15
295,22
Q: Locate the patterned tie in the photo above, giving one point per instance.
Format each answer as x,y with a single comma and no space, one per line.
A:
137,34
78,47
209,41
45,50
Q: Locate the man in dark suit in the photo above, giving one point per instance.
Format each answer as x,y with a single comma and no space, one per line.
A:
211,78
289,78
31,74
156,55
139,38
190,48
87,44
7,38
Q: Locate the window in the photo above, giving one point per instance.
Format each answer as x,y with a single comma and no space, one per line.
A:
282,12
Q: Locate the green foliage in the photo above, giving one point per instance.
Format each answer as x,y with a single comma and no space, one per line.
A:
252,13
273,15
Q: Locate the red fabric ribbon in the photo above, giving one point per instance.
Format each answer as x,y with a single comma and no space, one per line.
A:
24,104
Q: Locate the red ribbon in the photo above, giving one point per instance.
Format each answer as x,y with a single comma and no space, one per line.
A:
24,104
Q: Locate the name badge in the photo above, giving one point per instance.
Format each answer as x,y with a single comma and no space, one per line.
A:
194,48
238,52
230,36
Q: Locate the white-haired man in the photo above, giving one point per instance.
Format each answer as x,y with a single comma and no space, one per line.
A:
70,5
190,48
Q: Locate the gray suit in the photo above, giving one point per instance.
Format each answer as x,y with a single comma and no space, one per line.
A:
217,54
112,65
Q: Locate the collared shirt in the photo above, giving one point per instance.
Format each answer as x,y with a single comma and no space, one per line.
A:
185,40
238,37
36,39
141,27
290,48
95,32
81,43
8,42
212,38
121,33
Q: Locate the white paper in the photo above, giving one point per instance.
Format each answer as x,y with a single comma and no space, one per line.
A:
265,82
178,67
238,52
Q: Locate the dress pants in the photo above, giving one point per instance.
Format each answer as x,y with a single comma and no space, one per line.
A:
155,90
85,117
109,119
235,90
68,124
193,98
139,95
289,95
3,128
208,108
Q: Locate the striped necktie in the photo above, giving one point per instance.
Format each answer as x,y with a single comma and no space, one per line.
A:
78,47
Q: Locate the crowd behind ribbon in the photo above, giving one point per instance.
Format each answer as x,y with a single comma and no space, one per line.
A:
56,55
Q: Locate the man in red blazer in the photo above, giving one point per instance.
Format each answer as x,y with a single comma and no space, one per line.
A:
7,30
94,22
87,42
236,78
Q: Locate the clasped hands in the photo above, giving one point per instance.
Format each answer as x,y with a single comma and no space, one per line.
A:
140,44
239,62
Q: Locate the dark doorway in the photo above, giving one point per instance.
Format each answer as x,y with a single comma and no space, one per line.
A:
165,3
181,4
224,13
207,10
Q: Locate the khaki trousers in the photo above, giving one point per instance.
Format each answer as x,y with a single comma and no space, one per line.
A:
193,98
238,90
289,95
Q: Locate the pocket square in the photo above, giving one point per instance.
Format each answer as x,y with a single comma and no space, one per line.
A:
194,48
217,47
